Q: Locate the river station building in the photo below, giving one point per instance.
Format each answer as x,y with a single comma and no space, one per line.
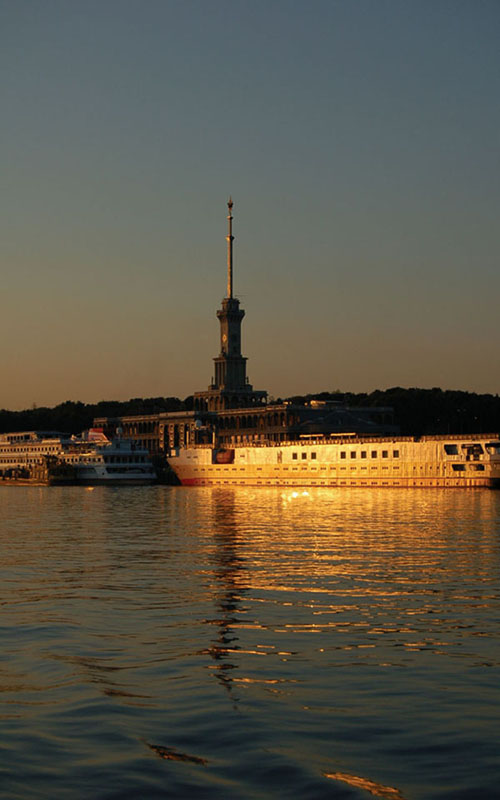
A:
230,410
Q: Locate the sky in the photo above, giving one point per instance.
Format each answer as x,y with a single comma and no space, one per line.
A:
359,141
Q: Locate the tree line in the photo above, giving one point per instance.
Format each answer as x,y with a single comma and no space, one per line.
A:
74,417
417,411
431,411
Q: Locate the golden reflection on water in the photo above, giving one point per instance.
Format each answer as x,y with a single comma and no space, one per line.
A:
288,599
381,569
373,788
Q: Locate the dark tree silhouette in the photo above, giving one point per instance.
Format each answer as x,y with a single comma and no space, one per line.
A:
417,411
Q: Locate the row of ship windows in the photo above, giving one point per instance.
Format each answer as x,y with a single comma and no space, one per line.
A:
353,454
87,460
461,467
455,467
15,458
109,460
426,483
29,450
125,459
35,460
10,460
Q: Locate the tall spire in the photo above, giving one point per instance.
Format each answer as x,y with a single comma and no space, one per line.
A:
230,239
230,387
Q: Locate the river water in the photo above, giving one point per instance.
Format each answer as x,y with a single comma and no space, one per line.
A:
249,643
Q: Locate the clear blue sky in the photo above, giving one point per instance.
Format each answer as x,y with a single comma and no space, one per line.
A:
359,140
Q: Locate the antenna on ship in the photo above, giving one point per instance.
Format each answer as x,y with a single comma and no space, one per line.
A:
230,239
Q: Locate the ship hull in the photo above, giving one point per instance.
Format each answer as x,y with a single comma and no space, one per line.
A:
116,482
78,482
307,481
37,482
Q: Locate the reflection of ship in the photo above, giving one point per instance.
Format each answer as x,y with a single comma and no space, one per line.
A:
56,458
433,461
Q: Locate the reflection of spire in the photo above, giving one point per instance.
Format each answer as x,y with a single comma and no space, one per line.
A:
230,239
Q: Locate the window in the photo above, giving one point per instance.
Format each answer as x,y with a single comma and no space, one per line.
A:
304,456
374,454
385,454
363,454
353,454
294,456
451,449
342,454
313,455
473,450
395,453
458,467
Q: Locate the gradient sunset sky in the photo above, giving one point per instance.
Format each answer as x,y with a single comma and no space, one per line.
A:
359,139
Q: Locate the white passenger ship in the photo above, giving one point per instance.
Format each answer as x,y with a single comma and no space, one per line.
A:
347,461
90,459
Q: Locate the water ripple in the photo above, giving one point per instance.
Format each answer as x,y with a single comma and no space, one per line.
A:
163,642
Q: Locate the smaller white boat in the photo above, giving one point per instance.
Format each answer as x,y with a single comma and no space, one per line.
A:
92,459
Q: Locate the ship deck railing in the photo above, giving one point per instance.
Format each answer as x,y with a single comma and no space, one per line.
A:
302,442
345,439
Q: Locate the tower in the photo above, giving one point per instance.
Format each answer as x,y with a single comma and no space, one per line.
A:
230,387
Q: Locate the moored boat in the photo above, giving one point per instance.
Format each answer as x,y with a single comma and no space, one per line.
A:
467,461
92,459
